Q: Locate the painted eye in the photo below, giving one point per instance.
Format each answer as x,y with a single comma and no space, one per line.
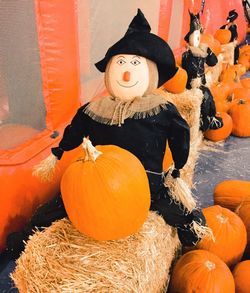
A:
120,61
135,62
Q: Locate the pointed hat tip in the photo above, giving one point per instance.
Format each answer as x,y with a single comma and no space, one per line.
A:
139,23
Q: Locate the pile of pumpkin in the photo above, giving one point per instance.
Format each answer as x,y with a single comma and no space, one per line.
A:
232,100
215,264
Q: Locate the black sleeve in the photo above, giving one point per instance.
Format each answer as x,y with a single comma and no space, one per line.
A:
73,133
178,138
184,60
223,27
234,33
211,58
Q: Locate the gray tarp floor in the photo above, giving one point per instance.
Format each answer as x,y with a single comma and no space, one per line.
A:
230,161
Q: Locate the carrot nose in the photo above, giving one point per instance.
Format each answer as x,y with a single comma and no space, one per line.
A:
126,76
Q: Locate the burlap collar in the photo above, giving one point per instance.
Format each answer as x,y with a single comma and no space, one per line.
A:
200,51
113,111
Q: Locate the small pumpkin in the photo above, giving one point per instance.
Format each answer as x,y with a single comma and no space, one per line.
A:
202,272
244,48
220,91
177,84
241,274
230,237
230,193
243,211
223,36
245,83
244,59
102,199
241,94
240,113
229,74
223,132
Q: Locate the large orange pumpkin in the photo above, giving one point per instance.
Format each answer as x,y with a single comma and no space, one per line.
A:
220,91
241,275
223,36
240,113
106,196
177,84
223,132
230,193
244,213
230,237
201,271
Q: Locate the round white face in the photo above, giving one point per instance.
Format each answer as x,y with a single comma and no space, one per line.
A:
128,76
194,39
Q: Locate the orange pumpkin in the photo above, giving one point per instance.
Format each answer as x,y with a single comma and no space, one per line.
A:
230,193
241,94
241,274
244,48
202,272
245,82
106,195
223,36
229,74
207,39
216,47
239,68
243,211
168,159
244,60
230,237
223,132
177,84
240,113
220,91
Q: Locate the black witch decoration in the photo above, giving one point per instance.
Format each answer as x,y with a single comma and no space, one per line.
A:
232,26
193,61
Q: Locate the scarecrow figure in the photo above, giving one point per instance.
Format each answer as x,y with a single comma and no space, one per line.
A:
134,118
193,61
232,26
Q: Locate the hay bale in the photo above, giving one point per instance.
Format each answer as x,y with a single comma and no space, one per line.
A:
213,73
227,52
60,259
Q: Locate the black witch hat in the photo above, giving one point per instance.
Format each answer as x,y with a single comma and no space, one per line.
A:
194,25
232,15
139,41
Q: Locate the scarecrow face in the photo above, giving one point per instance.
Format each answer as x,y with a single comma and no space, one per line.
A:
194,39
127,76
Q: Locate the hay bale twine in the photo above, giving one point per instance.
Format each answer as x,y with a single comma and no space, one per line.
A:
60,259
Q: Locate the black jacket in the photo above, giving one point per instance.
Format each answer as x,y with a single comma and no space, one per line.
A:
145,138
195,65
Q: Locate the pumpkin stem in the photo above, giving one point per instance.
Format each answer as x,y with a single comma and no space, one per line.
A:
210,265
230,98
91,152
242,102
222,218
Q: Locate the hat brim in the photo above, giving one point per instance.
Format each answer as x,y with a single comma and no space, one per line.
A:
146,45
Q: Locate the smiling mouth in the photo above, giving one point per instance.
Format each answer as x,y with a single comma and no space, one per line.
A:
127,86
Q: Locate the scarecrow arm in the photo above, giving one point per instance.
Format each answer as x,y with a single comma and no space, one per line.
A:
178,139
73,134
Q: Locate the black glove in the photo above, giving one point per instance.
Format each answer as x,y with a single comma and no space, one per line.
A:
58,152
176,173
